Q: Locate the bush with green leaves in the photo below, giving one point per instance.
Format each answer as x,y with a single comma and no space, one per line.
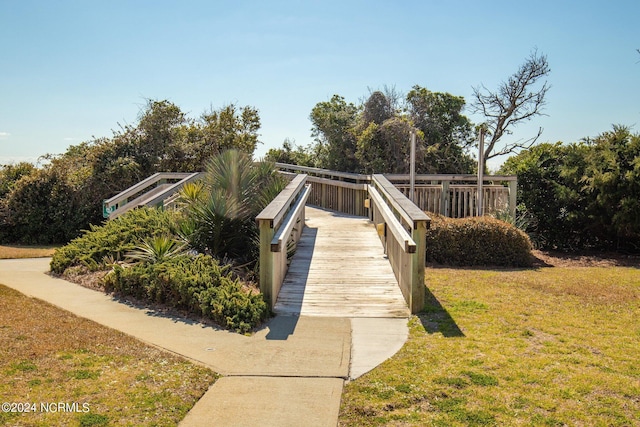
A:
198,284
584,195
477,241
114,239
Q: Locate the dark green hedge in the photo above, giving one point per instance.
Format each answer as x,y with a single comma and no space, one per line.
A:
477,241
113,239
194,283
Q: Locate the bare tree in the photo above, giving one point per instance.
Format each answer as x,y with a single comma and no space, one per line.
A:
516,100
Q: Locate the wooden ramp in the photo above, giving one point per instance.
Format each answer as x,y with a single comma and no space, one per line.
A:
340,270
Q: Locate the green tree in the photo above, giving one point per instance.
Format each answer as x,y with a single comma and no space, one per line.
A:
385,148
377,109
446,132
291,153
612,183
549,190
375,136
10,174
333,123
230,127
63,198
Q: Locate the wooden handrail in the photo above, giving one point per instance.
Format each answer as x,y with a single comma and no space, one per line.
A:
283,233
174,188
276,210
443,177
277,223
148,192
136,188
398,202
324,172
401,235
343,184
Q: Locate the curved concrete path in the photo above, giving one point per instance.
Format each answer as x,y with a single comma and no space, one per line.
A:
292,369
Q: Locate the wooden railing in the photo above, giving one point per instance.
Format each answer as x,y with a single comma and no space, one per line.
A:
340,191
449,195
402,228
280,224
152,191
446,195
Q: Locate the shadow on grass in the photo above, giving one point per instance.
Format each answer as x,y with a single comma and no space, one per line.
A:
436,319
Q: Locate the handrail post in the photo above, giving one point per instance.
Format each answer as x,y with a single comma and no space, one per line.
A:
513,192
444,199
418,260
266,260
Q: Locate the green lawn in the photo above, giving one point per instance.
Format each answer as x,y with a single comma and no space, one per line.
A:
22,251
546,347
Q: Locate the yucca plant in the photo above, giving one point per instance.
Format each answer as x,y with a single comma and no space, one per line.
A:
234,190
157,249
190,192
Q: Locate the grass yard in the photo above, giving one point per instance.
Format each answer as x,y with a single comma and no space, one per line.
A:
546,347
19,251
102,377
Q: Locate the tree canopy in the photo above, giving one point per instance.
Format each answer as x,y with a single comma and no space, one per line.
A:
52,204
374,135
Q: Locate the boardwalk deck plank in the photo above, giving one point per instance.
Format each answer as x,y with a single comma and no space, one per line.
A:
339,269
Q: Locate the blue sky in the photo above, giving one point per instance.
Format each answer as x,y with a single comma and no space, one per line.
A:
72,70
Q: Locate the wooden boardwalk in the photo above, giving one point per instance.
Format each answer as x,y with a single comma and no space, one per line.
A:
339,269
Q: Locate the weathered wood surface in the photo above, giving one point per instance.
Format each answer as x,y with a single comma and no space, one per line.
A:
339,269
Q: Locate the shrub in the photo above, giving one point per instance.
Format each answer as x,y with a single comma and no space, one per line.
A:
583,195
113,239
477,241
194,283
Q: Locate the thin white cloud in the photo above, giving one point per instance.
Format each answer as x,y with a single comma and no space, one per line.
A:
4,135
11,160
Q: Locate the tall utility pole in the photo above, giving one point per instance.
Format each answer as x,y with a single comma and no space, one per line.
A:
412,170
480,200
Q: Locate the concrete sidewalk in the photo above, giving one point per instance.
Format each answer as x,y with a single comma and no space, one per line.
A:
292,369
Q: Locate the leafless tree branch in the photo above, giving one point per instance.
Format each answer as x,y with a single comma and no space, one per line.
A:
516,100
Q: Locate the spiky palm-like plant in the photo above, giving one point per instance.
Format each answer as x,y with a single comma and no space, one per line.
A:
235,189
157,250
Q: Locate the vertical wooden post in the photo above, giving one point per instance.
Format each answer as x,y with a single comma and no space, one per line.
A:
412,168
266,262
480,195
513,194
444,199
418,260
